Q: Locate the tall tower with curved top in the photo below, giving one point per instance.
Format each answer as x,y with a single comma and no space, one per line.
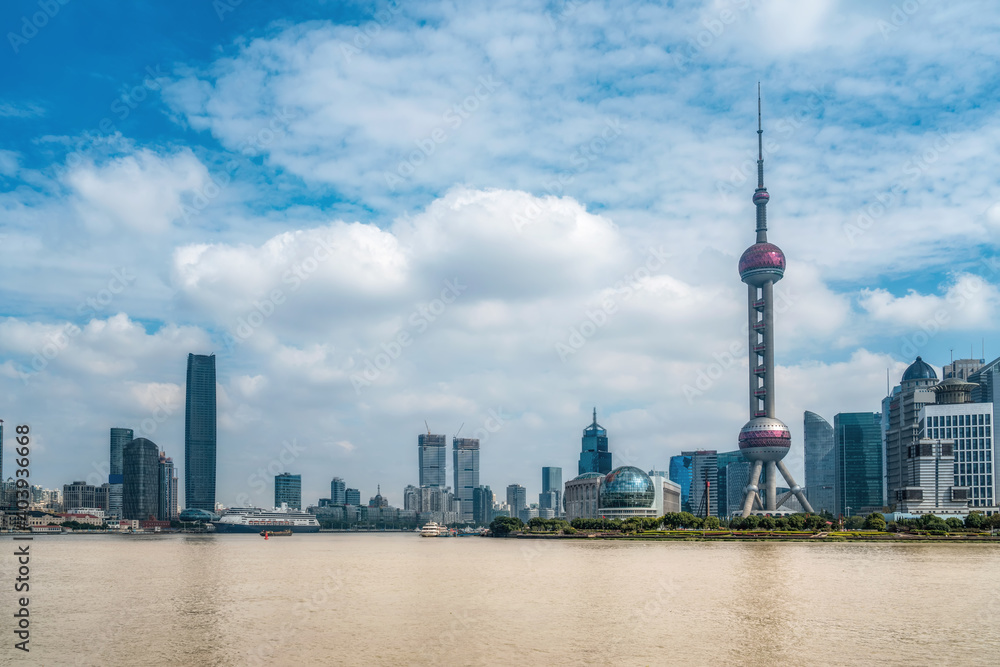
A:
764,440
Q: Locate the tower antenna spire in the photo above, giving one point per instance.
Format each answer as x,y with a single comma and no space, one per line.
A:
760,196
760,143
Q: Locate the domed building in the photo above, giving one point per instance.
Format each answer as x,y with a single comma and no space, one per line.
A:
624,492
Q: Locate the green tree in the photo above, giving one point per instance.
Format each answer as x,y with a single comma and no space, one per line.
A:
752,522
797,522
767,522
954,523
975,520
875,521
711,523
504,525
854,523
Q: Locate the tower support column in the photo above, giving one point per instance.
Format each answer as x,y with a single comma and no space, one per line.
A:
770,486
748,501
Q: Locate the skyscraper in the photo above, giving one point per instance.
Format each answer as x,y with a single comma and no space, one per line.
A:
338,492
432,459
858,443
722,461
595,456
916,390
167,492
288,490
551,483
704,482
821,464
517,497
680,474
764,439
199,433
482,505
119,437
141,489
466,451
352,497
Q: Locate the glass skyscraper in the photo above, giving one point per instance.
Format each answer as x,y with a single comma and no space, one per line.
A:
167,493
119,438
721,492
141,489
595,456
338,492
352,497
858,444
482,505
551,483
432,458
517,499
288,490
199,433
704,477
821,464
466,451
680,474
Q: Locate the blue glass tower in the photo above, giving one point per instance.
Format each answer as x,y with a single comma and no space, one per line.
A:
119,438
199,434
680,474
595,456
288,490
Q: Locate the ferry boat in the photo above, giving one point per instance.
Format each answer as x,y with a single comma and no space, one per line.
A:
257,519
432,529
275,533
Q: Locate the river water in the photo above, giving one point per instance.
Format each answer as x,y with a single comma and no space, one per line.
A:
397,599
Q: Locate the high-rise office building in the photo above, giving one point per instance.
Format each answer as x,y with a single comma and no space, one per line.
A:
968,427
680,474
141,489
595,456
338,492
517,499
821,464
352,497
81,494
167,493
288,490
466,466
858,449
916,390
723,460
119,438
704,482
962,369
432,459
551,483
482,505
199,433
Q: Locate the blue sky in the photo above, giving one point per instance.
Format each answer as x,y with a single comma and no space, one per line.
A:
295,188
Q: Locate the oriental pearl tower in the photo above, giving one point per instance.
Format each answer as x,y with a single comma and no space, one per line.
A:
764,440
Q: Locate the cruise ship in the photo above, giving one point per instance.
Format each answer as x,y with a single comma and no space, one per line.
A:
256,519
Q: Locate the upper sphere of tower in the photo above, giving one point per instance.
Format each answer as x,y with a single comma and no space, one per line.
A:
761,197
762,262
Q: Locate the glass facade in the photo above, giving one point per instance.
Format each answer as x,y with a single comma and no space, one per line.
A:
338,492
552,483
432,459
517,499
858,445
119,438
466,466
723,461
288,490
141,491
199,433
167,494
704,482
680,474
821,464
626,487
595,456
352,497
482,505
969,426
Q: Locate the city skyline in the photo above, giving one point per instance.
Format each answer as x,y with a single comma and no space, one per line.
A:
357,276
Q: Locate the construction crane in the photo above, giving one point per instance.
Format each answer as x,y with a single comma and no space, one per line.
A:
459,430
428,430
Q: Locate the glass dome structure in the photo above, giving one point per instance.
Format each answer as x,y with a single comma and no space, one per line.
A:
919,370
626,486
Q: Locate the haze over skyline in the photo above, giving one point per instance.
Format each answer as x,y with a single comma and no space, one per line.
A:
466,192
